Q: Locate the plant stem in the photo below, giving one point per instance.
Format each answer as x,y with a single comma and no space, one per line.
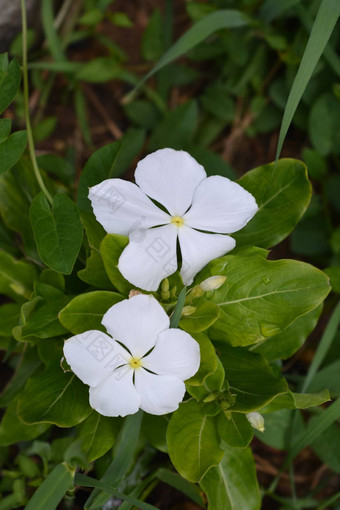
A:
26,104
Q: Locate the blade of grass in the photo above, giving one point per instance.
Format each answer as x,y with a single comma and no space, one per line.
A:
52,490
53,41
323,347
324,23
272,9
122,461
176,314
87,481
225,18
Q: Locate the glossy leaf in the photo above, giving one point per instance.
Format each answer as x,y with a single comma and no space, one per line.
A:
282,193
97,434
57,230
11,150
203,317
13,430
16,277
193,441
110,249
9,84
270,294
292,400
232,484
85,312
52,396
234,429
251,380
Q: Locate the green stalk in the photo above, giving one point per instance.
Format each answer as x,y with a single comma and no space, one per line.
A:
26,104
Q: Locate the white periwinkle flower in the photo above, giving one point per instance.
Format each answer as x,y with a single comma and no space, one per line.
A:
196,206
144,367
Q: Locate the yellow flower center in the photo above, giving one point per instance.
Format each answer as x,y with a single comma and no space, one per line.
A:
177,221
135,363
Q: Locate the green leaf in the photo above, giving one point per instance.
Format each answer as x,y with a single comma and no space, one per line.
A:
234,429
323,127
86,481
176,129
110,249
11,149
282,193
209,360
193,441
16,277
324,447
226,18
109,161
204,316
53,489
9,84
154,427
53,41
51,396
297,401
9,317
325,21
251,379
98,434
58,231
278,428
285,344
85,312
272,294
176,314
12,430
5,128
232,484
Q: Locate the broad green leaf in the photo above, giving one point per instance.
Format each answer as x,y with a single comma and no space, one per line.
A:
56,165
193,441
285,344
226,18
52,396
213,163
278,428
11,149
251,380
9,317
12,430
41,320
282,193
270,294
5,128
176,481
17,190
9,84
85,312
28,362
327,377
125,454
323,126
154,427
98,434
57,230
152,44
232,485
234,429
16,277
203,317
324,24
212,383
176,129
110,249
53,489
109,161
297,401
208,363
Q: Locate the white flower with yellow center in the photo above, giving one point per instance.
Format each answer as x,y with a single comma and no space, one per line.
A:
144,367
195,206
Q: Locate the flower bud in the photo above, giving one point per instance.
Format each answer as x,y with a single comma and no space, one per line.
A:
165,290
188,310
256,420
134,292
212,283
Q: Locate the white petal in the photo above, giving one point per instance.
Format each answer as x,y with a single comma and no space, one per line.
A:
121,207
220,205
176,353
116,396
93,356
149,257
136,322
159,394
170,177
198,249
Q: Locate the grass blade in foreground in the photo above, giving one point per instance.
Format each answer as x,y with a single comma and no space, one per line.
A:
176,315
325,21
52,490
